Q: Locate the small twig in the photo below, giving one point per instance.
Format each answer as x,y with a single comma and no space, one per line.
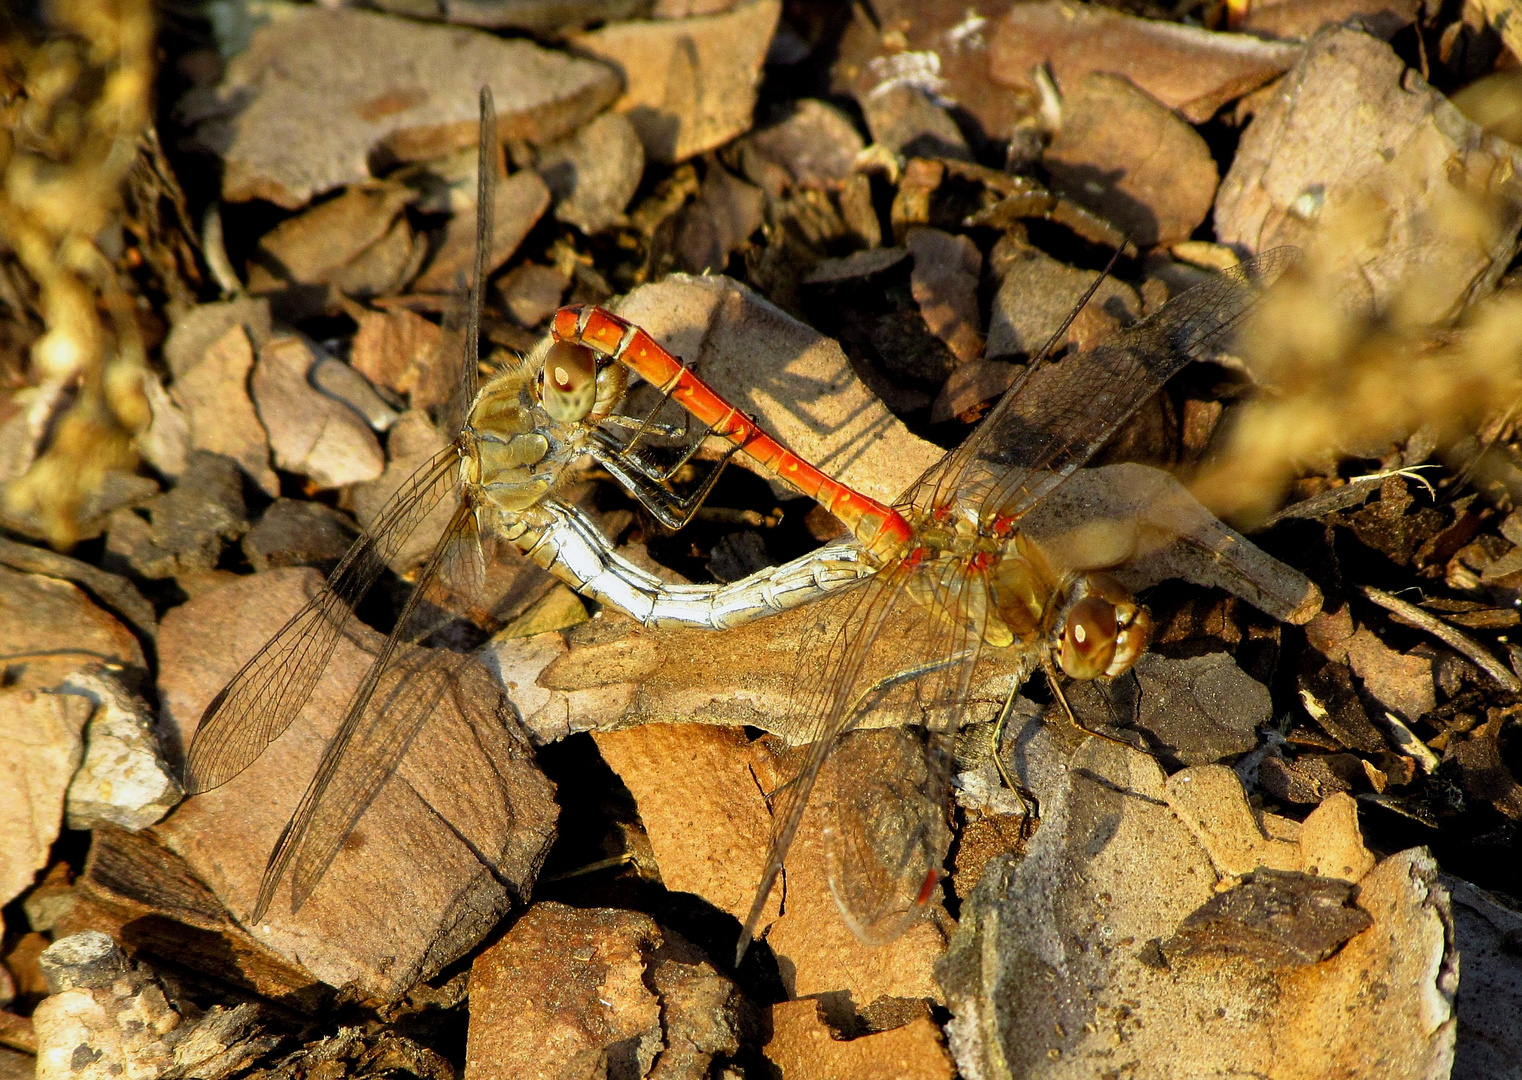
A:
626,859
1448,635
1409,744
1409,472
214,251
1338,498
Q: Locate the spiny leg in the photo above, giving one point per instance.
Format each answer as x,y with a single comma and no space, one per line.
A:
663,476
1052,679
1030,806
649,424
671,510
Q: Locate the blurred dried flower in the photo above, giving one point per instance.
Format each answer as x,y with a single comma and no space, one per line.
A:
69,133
1343,376
1495,103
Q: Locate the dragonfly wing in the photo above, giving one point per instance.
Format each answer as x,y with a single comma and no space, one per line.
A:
819,712
409,695
885,640
886,834
461,341
1058,415
267,693
384,714
264,697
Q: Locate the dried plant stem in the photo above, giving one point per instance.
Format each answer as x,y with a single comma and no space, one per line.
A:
68,139
1448,635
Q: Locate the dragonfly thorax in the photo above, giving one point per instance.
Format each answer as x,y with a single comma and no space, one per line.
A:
999,587
514,452
1021,586
946,531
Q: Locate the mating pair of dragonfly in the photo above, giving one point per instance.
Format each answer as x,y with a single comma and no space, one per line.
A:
924,588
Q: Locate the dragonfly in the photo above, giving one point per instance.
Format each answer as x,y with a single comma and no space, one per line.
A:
515,438
955,579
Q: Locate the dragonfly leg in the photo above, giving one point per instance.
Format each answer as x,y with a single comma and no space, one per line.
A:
1052,679
649,425
664,475
646,425
1030,806
670,509
615,862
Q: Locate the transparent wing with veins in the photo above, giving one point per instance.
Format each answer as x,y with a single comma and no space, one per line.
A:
396,697
1057,415
881,640
270,690
266,695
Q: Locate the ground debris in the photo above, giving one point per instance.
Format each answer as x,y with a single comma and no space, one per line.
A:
1283,188
1117,995
944,283
1485,928
123,778
1127,157
360,243
1186,68
519,202
486,830
1300,19
582,993
722,863
43,736
815,146
862,224
906,122
146,897
213,389
1035,295
107,1016
689,83
310,433
593,174
803,1047
359,83
186,528
1485,775
399,350
1280,918
357,1053
49,629
295,532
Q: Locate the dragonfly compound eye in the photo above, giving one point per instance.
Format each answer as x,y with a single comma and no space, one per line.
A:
569,386
1134,637
1088,638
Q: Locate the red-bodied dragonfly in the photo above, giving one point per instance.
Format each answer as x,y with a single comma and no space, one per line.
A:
955,578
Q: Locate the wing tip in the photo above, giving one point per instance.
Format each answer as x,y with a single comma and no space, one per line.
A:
743,946
198,775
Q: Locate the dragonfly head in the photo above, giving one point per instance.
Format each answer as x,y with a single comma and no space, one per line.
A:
1102,630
